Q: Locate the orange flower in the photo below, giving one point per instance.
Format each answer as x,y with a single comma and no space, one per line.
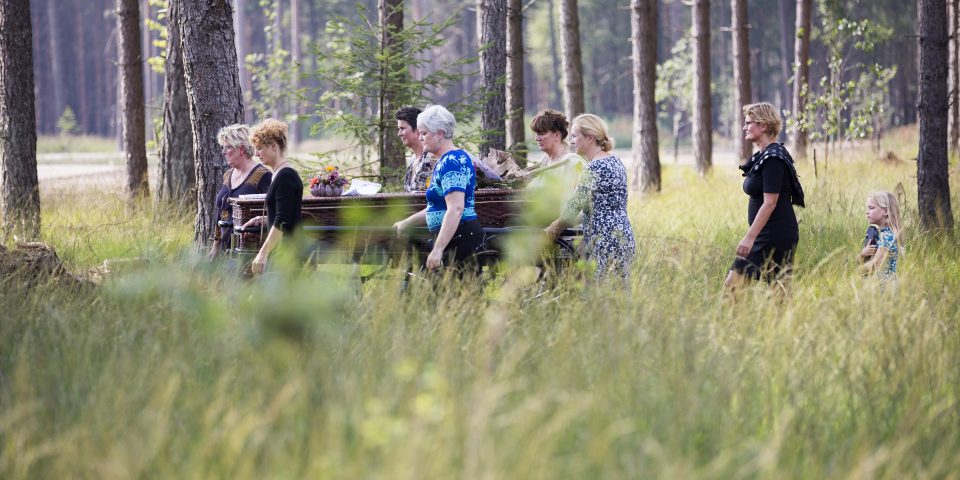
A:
331,168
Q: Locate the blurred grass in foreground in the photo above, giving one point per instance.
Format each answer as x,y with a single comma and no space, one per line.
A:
179,371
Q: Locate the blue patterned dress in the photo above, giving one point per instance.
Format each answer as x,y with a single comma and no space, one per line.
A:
601,195
888,240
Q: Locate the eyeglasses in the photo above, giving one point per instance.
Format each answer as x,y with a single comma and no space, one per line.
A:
226,150
747,123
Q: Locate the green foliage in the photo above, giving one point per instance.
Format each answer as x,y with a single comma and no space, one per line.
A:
357,70
183,371
67,123
158,26
273,73
675,78
852,99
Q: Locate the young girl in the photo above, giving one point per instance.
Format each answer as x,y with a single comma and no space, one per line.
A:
883,210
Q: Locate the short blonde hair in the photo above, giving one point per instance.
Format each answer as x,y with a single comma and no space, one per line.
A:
590,124
269,131
765,114
236,136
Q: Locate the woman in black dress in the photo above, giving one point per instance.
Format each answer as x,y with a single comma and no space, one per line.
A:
772,184
285,195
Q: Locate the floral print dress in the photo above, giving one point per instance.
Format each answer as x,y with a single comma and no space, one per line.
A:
601,194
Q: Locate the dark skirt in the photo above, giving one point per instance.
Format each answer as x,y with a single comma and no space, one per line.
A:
770,258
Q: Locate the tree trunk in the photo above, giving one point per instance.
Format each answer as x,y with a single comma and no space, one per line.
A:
573,103
933,185
953,88
19,188
392,161
131,94
56,60
83,111
702,111
242,42
177,177
554,56
515,82
801,78
295,59
213,93
646,148
741,74
277,108
786,34
492,26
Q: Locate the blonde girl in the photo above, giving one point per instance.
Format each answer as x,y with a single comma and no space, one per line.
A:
883,210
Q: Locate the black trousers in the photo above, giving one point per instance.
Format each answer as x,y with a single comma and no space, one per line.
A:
467,241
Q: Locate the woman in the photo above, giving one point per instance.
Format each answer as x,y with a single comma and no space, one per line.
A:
285,195
564,165
450,215
773,187
244,177
420,166
601,195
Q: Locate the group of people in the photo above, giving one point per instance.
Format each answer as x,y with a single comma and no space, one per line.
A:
447,175
281,184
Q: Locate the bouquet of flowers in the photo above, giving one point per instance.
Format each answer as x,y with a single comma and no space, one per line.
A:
328,184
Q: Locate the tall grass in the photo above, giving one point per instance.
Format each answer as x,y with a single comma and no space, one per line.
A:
181,371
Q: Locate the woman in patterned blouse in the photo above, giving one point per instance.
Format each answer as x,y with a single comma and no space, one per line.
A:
450,215
601,195
420,166
244,177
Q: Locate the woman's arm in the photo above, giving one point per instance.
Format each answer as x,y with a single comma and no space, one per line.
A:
418,218
451,220
760,221
260,261
875,262
574,207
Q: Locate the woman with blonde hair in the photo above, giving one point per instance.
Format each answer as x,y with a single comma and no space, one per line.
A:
771,182
601,195
244,177
285,195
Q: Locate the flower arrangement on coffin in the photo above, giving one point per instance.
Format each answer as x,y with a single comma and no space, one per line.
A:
328,184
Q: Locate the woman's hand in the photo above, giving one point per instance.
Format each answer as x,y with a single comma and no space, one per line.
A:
745,245
253,222
400,228
553,231
868,251
259,264
214,250
435,259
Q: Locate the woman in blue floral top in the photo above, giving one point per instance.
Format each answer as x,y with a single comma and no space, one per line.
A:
450,214
883,210
601,195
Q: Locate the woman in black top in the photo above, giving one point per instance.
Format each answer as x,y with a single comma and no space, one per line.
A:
244,177
773,186
285,195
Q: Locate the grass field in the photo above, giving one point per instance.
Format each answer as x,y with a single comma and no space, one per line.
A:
177,370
